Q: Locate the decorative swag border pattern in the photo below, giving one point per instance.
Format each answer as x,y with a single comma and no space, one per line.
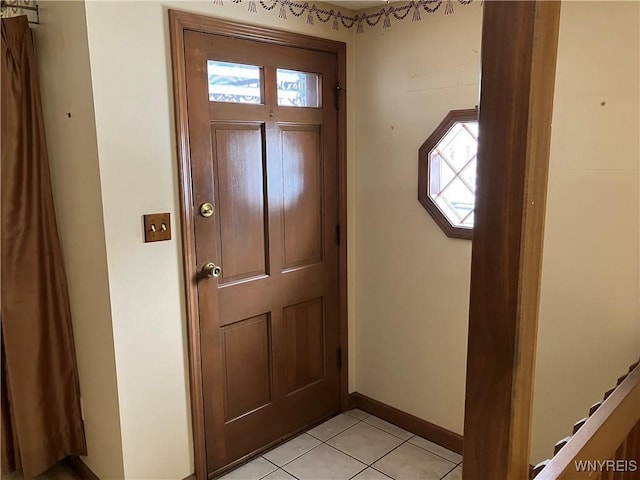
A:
313,11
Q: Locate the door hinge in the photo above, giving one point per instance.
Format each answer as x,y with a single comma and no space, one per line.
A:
338,234
339,357
339,91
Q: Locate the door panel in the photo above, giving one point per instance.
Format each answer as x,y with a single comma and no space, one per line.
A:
305,354
246,355
302,209
240,184
270,323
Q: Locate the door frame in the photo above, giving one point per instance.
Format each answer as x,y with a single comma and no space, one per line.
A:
179,23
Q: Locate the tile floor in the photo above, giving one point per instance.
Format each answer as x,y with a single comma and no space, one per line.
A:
354,445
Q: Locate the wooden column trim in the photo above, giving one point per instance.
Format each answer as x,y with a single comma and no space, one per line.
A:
519,50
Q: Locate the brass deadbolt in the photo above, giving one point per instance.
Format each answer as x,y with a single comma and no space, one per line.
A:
206,210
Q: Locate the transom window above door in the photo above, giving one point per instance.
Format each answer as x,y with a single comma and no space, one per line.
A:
240,83
447,163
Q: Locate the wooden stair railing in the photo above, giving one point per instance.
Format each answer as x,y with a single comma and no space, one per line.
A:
606,444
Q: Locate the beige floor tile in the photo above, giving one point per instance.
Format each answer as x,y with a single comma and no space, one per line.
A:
279,475
371,474
292,449
253,470
456,474
332,427
408,462
324,463
388,427
437,449
357,413
365,442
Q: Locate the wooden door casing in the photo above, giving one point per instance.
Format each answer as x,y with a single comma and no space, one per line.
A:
519,52
298,129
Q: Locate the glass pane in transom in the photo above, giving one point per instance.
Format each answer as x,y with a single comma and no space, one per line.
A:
298,89
234,82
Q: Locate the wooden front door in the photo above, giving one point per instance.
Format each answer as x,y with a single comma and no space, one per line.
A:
262,124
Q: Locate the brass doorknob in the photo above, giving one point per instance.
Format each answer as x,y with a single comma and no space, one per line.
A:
211,270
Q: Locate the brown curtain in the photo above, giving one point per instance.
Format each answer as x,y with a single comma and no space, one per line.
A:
41,419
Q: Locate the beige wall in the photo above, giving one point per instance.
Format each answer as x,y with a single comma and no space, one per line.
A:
408,283
412,282
65,82
589,329
131,68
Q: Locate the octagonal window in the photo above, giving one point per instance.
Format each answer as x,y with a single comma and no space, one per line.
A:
447,173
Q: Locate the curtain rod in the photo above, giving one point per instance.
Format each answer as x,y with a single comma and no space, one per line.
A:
15,6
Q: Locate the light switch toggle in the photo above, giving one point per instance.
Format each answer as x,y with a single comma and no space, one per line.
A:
157,227
153,229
